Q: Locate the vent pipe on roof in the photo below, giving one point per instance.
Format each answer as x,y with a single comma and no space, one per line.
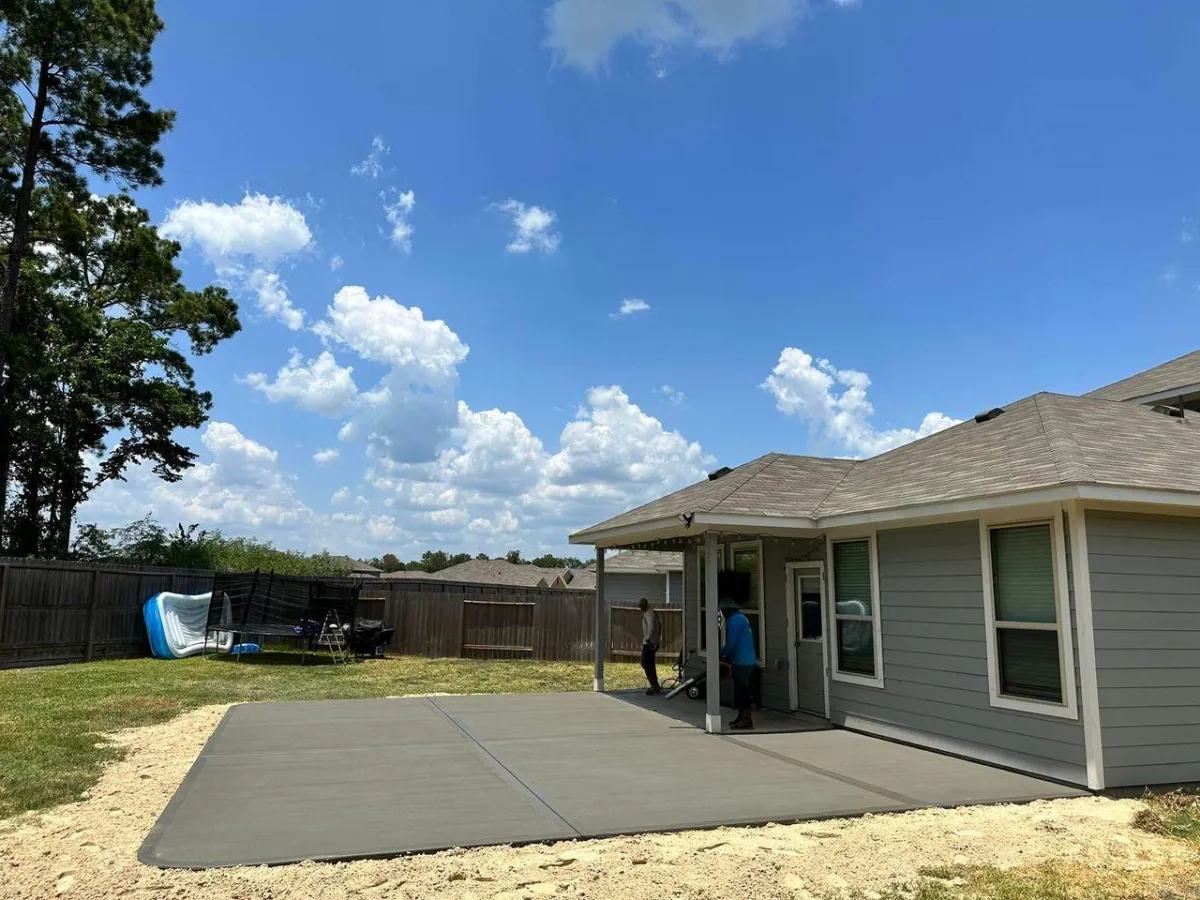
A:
988,416
724,470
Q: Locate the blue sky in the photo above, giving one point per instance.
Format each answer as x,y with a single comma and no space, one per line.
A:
955,205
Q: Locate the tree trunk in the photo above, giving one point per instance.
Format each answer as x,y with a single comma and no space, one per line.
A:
12,272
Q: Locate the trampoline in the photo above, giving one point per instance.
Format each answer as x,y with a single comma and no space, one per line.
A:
321,613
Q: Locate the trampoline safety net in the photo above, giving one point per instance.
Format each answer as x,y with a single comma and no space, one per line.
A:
268,604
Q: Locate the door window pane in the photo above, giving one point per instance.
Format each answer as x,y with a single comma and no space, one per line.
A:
1029,664
808,589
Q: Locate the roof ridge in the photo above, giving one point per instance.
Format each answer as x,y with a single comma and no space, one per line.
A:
775,457
1065,452
829,493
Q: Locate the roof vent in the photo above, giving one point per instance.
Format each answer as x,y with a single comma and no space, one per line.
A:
724,470
988,416
1174,412
568,576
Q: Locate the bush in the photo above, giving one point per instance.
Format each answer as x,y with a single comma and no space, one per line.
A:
146,543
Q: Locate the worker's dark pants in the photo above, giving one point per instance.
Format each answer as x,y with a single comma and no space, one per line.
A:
742,676
650,664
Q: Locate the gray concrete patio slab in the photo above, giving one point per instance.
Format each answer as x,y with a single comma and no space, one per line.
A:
329,780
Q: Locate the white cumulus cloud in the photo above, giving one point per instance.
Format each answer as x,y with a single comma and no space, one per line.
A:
834,403
245,243
260,228
318,385
674,396
533,227
335,263
325,457
272,297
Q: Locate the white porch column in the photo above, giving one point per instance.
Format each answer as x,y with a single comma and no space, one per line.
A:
667,590
712,637
601,624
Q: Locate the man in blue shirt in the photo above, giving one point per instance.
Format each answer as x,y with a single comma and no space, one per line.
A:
743,658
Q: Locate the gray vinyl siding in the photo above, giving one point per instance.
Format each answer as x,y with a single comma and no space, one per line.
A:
627,588
1145,573
676,588
935,661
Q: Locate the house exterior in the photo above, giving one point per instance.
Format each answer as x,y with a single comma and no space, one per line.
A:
359,569
1021,589
488,571
632,575
656,576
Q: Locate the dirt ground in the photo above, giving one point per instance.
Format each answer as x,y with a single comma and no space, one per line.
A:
87,850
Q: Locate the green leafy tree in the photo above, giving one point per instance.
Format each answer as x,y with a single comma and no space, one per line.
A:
482,556
145,542
514,557
389,563
74,72
549,561
102,359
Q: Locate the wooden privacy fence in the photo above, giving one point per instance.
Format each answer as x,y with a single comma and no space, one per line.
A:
53,612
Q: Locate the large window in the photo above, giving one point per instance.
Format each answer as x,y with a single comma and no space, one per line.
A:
746,558
1028,633
855,613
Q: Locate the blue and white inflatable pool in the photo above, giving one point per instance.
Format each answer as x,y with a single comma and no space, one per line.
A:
176,625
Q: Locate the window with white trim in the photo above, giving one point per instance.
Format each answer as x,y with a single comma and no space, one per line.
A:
1028,631
854,612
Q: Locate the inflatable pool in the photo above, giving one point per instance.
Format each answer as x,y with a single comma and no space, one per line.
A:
176,625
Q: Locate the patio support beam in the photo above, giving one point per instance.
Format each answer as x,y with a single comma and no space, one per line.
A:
712,637
601,624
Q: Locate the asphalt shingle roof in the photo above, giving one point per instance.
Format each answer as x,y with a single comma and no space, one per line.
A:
488,571
1042,441
775,484
1183,371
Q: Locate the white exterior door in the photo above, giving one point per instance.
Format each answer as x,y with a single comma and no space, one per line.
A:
806,605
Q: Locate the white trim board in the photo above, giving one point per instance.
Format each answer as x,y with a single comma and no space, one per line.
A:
1062,772
1089,687
794,630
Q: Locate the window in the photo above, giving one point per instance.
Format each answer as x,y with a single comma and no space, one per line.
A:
1028,651
745,558
855,613
808,589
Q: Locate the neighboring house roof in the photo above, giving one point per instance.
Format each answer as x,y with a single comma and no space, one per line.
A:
1181,372
581,580
1042,441
489,571
641,561
357,567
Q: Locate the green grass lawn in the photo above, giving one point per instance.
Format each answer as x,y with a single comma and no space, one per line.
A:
50,717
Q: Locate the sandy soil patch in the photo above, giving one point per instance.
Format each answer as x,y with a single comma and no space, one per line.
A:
87,850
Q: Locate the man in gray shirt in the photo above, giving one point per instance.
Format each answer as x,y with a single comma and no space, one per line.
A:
651,640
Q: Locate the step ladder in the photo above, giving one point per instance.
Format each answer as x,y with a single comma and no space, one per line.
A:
333,639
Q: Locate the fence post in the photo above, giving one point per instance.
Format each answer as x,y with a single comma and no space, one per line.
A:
91,614
3,596
462,626
174,582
